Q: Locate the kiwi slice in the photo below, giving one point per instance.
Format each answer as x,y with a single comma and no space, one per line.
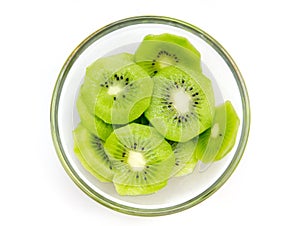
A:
116,89
217,142
90,151
159,51
93,123
185,157
142,159
87,166
182,104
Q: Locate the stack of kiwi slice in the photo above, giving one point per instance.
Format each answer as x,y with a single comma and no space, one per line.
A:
150,116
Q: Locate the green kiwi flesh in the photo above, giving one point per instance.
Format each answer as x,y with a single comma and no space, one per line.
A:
147,117
175,39
218,141
142,159
90,151
185,157
87,166
182,105
159,51
116,89
93,123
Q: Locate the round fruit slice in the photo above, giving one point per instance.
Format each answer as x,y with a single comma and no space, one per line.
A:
116,89
218,141
94,124
142,159
87,166
182,104
159,51
89,148
185,157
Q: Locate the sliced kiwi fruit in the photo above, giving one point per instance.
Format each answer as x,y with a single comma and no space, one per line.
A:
131,190
159,51
93,123
88,167
116,89
185,157
90,151
217,142
142,159
189,166
182,104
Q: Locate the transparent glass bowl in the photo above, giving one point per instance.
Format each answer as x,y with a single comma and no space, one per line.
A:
124,36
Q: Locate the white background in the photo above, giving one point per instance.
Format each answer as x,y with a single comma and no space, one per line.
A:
35,39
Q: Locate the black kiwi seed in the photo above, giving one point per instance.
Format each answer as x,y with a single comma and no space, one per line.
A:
145,178
155,72
115,98
106,86
137,176
123,154
123,96
121,77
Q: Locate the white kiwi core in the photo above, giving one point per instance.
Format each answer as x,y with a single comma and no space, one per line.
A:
165,61
136,160
215,130
114,90
181,101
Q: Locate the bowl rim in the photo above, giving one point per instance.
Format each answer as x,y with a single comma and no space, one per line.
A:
56,98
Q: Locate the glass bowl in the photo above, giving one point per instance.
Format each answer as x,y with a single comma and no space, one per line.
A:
124,36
